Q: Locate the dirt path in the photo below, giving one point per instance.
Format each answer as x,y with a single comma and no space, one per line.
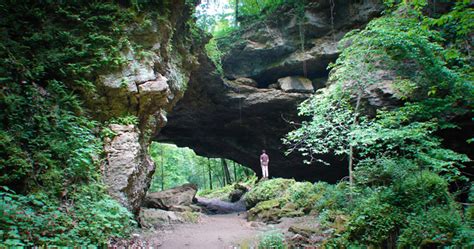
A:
225,228
214,231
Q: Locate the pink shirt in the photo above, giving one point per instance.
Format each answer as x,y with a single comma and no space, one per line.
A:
264,159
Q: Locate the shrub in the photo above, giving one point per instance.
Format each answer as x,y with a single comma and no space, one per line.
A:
272,240
373,221
302,195
435,227
334,197
422,189
383,171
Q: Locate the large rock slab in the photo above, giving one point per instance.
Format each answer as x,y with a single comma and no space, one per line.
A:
167,199
296,84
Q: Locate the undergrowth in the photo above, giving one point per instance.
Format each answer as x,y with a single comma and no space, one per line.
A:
50,149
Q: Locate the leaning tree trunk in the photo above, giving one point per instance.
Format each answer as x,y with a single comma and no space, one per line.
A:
226,171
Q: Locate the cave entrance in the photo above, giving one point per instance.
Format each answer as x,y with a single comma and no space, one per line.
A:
176,166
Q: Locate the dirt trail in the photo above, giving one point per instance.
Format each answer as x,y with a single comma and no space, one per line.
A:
226,228
214,231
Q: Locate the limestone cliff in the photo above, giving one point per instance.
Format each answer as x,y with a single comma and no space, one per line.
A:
148,85
267,75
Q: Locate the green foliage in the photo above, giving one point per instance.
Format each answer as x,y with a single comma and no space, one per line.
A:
51,53
400,197
302,195
421,190
57,147
125,120
384,171
273,240
373,221
90,217
435,227
333,197
214,54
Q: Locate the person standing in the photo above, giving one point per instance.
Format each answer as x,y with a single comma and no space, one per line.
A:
264,160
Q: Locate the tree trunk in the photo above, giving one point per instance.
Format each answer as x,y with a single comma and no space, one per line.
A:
226,171
351,148
235,172
210,173
236,13
203,175
162,170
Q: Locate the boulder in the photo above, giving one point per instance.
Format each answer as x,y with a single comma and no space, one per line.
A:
267,190
153,218
272,210
178,196
296,84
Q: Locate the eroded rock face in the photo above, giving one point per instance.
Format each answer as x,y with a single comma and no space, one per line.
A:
127,165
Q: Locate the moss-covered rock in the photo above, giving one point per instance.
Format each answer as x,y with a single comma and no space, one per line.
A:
274,209
266,210
273,199
267,190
